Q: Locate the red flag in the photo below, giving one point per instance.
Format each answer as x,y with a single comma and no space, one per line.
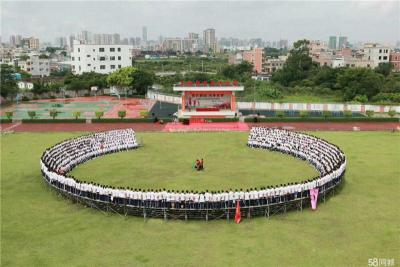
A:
238,217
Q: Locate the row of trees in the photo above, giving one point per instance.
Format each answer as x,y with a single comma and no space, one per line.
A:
129,78
354,84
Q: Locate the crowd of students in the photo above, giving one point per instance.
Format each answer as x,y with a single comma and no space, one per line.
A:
58,161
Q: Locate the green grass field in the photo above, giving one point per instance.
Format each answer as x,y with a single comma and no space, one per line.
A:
166,161
39,228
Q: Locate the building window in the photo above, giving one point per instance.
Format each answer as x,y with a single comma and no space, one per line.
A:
112,58
119,57
119,49
101,49
94,50
73,58
380,50
384,57
79,50
87,55
380,57
88,65
102,58
112,49
112,67
79,58
119,66
102,67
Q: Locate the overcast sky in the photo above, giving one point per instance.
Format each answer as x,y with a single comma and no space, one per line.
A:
359,20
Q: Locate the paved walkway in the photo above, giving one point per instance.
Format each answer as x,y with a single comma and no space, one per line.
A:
207,127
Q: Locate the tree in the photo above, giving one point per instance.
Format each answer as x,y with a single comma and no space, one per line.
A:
39,87
32,114
8,84
43,56
122,78
24,57
360,81
99,114
121,114
9,114
76,85
297,66
142,80
384,68
392,113
76,114
53,113
360,99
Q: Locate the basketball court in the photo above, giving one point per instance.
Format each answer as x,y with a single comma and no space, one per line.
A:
86,105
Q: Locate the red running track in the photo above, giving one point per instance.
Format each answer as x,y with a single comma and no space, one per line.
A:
81,127
332,126
156,127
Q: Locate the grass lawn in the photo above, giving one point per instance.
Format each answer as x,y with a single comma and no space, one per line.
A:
166,161
38,228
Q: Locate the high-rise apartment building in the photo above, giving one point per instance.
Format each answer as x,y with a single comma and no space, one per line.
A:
144,34
342,42
332,42
210,42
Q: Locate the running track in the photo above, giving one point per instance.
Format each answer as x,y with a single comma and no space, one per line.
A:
156,127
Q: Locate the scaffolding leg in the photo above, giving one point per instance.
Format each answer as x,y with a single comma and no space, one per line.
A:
301,202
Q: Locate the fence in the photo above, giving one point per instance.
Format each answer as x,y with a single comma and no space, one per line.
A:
288,106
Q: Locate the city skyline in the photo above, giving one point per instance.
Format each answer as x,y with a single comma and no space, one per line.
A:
359,21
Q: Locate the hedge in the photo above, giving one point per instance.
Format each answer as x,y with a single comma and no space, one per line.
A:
5,121
115,120
319,119
54,121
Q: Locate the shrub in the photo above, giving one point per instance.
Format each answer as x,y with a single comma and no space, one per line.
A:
144,113
304,113
67,96
32,114
348,113
9,114
327,113
76,114
361,98
53,113
391,113
280,113
35,97
121,114
52,97
370,113
25,98
99,114
86,94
